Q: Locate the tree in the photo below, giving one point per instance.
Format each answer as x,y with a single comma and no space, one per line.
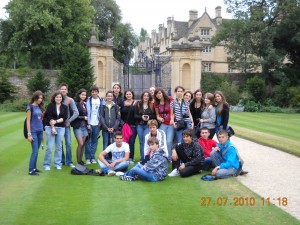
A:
7,89
249,37
38,82
43,29
143,35
77,71
256,88
107,15
125,41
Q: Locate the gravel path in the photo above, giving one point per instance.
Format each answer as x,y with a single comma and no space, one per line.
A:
272,173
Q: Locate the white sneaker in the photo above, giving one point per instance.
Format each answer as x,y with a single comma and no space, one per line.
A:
111,173
88,162
119,173
71,165
174,173
93,161
58,167
47,168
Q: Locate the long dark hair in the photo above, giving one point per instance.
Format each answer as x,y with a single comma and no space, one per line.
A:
165,96
35,97
129,90
77,97
120,94
54,95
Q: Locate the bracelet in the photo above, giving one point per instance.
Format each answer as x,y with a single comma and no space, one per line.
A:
29,134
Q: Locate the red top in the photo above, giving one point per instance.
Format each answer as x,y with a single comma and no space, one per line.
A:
207,146
164,111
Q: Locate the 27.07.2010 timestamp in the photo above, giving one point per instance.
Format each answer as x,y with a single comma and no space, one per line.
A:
243,201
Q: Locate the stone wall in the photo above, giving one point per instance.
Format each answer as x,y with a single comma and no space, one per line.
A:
20,81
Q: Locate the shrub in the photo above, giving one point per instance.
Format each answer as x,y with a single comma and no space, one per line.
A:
38,82
256,88
281,96
231,92
294,94
7,89
251,106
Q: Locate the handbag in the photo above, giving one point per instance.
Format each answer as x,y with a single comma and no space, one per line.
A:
181,124
126,129
230,131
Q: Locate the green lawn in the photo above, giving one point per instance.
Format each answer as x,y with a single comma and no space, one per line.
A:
278,130
56,197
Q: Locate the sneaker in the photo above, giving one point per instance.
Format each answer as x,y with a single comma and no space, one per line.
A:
243,172
131,161
119,173
93,161
58,167
88,162
126,178
111,173
71,165
33,173
37,170
46,167
174,173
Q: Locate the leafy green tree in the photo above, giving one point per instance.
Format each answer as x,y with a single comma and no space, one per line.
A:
7,89
107,15
38,82
43,29
249,37
125,41
143,35
256,88
77,71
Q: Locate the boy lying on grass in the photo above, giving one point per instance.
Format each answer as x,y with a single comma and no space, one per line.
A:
156,169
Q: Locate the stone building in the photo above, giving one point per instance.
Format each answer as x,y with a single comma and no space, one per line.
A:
187,45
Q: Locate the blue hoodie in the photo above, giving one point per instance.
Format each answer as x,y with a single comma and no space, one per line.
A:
230,158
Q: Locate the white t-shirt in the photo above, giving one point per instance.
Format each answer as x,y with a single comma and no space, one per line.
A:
94,113
117,152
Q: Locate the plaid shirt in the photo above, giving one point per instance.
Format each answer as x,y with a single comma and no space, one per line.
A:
193,151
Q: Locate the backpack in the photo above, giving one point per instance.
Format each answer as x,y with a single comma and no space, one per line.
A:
25,131
82,170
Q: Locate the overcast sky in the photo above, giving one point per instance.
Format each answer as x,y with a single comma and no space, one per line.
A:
150,13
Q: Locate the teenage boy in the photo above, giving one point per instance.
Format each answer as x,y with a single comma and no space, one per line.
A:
190,154
159,134
156,169
120,156
225,158
93,106
72,115
207,146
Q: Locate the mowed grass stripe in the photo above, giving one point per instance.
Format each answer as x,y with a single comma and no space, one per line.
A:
286,127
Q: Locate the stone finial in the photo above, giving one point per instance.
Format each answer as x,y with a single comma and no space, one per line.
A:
93,34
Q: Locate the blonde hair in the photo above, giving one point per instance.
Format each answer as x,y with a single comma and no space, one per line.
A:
152,123
153,140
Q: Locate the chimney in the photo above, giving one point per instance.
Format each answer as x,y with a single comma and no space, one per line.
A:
218,15
193,16
160,28
169,24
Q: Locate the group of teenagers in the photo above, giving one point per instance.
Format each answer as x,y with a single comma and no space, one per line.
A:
178,130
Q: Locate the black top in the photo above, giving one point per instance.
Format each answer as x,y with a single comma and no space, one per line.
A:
196,112
51,114
79,121
140,111
118,100
125,109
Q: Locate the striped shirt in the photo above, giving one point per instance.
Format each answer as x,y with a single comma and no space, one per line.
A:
176,108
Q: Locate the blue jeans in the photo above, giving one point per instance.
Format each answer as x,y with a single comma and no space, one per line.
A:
169,131
68,158
178,134
132,141
207,164
122,166
142,130
35,145
142,174
107,137
91,145
217,159
50,141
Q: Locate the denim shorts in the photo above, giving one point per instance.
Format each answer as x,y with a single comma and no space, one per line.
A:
81,131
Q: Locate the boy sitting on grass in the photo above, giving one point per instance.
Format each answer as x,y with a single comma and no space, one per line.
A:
156,169
225,158
207,146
